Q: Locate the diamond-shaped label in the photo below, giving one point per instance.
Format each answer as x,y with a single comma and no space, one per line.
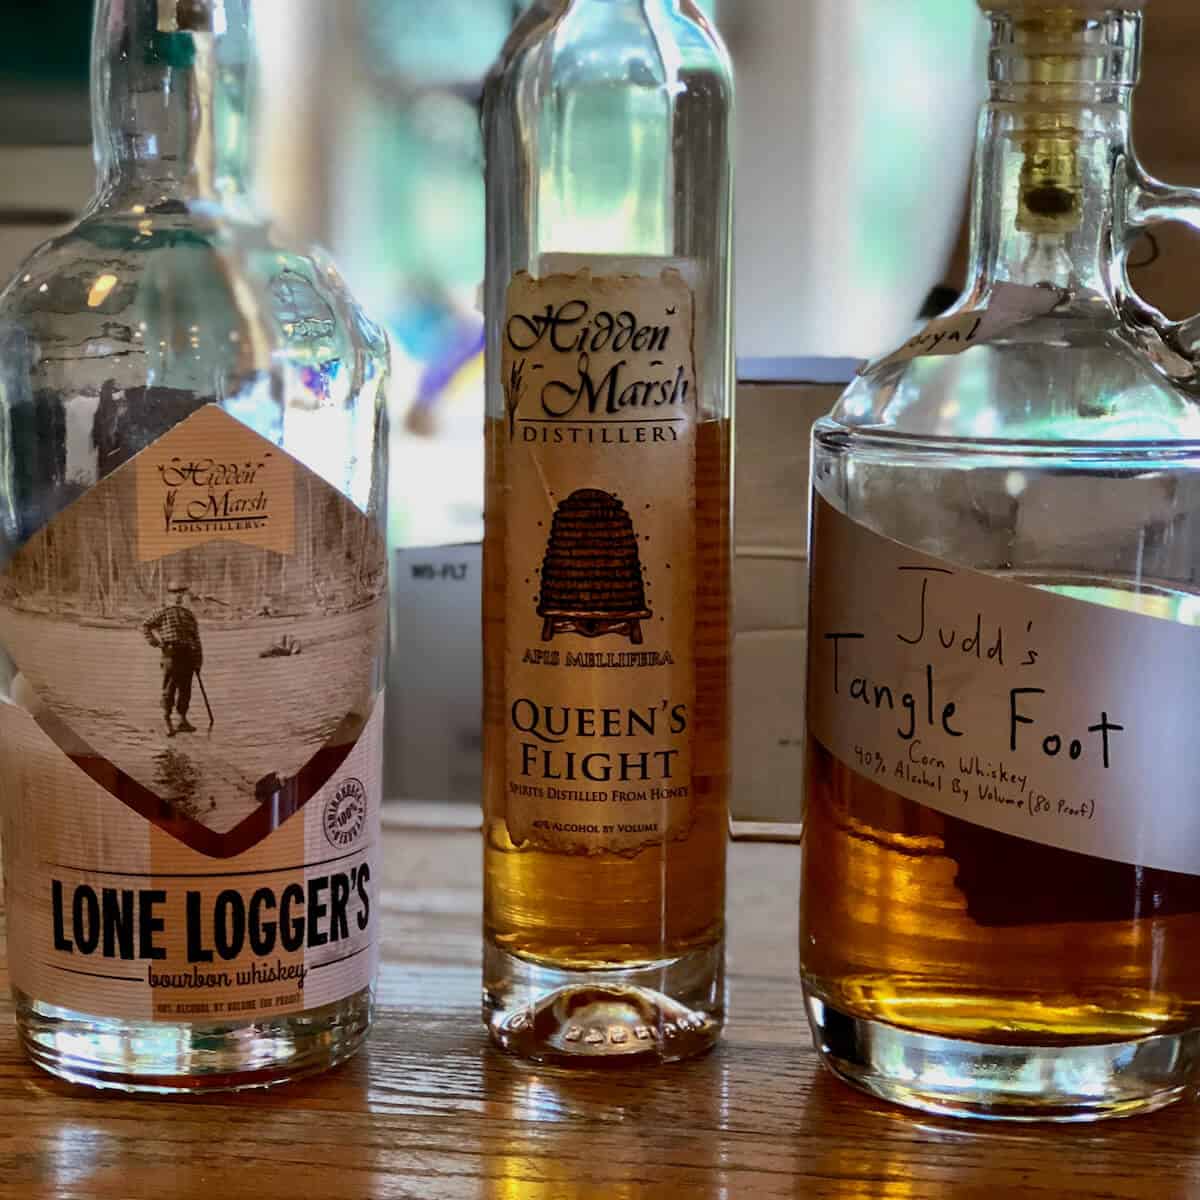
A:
211,671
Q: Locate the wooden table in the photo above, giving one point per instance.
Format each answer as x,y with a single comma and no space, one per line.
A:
430,1112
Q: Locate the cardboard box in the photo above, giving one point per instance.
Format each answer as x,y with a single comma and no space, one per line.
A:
434,723
778,402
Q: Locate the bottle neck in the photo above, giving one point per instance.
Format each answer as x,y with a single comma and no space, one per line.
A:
1052,137
172,102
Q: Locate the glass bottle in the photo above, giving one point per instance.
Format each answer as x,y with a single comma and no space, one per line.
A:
192,600
606,612
1001,889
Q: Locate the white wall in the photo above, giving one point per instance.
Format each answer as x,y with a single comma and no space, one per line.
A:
856,124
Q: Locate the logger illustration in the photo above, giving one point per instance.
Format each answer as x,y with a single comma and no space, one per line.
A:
592,579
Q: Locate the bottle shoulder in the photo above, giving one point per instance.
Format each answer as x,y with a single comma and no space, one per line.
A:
116,331
1051,379
136,288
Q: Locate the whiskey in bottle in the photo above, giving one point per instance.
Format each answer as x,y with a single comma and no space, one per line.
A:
1001,886
192,600
606,609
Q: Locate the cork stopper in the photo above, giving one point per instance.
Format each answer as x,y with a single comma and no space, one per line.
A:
191,16
1051,192
1052,60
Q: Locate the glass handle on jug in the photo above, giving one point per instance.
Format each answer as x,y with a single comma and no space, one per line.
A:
1143,203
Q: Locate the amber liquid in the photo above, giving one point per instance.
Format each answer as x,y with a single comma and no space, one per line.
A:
594,910
935,925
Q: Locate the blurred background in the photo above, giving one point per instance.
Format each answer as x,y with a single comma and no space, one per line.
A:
856,121
848,108
856,124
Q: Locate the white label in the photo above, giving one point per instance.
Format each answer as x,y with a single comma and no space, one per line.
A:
1055,719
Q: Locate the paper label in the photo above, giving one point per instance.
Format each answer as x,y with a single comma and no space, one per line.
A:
1010,304
1057,719
599,463
192,759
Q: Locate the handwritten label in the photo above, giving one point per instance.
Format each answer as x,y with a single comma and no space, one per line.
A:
1010,304
1059,720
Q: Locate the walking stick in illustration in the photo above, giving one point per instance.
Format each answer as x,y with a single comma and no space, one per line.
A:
204,692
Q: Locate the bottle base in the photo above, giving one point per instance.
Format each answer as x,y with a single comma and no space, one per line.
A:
652,1013
949,1077
191,1058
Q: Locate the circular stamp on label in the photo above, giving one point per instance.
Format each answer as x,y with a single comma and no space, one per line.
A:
345,813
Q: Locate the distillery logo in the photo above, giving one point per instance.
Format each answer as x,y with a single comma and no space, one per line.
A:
345,814
578,363
205,496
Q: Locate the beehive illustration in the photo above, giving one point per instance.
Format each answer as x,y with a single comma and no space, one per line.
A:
592,580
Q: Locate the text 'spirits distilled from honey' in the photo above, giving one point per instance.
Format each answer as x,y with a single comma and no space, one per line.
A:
192,602
606,619
1001,884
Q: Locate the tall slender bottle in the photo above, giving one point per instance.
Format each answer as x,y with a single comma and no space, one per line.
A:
606,622
192,600
1001,888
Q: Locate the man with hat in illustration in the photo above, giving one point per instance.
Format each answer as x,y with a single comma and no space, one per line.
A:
174,630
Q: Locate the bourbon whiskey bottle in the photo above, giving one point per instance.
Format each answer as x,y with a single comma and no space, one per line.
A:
606,621
1001,889
192,600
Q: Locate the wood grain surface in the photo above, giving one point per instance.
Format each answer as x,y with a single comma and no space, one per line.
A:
430,1112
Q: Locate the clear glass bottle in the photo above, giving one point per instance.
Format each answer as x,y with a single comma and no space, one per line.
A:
192,491
999,908
606,621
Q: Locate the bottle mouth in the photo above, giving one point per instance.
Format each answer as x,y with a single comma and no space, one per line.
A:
1052,61
1062,46
1086,7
